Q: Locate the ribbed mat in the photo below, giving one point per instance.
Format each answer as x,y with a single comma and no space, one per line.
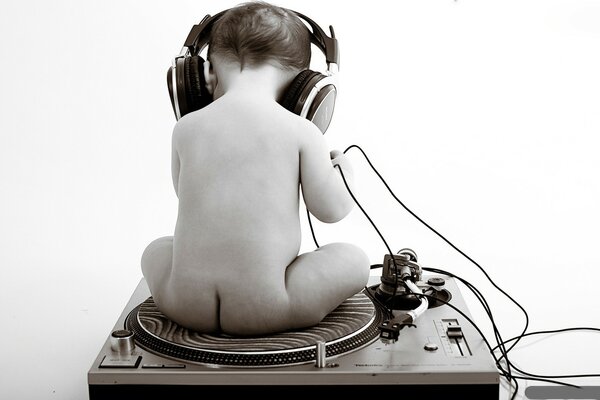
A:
352,315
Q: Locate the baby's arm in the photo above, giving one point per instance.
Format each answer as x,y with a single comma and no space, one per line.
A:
175,164
324,191
338,158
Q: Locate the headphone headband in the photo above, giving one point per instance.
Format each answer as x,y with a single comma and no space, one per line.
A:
199,36
310,94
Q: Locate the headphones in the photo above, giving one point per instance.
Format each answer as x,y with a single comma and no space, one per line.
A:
311,94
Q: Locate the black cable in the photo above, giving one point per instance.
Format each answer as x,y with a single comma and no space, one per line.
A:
312,231
441,236
483,301
511,377
555,331
486,341
507,373
363,210
484,304
376,230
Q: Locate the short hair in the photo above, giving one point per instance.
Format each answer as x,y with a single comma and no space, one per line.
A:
258,32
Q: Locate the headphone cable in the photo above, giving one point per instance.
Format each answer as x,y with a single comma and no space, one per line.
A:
501,344
443,238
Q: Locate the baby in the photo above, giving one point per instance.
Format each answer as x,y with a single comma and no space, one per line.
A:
238,165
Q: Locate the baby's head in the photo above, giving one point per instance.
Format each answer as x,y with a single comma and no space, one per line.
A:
256,33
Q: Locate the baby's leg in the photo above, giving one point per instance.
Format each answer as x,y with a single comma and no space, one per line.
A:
184,300
319,281
157,262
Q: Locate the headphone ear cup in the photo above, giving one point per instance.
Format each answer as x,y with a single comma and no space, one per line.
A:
196,94
319,108
176,85
292,99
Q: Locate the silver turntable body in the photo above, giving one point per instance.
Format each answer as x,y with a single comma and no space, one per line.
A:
442,354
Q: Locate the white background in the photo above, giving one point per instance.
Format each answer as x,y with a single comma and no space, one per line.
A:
483,116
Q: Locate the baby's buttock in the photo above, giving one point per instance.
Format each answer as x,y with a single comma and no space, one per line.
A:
228,283
233,242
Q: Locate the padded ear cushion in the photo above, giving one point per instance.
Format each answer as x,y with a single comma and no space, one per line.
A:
196,94
292,97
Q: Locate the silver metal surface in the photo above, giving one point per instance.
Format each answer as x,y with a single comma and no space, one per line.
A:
458,361
320,361
121,342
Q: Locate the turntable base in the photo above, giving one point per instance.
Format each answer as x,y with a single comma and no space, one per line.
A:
344,351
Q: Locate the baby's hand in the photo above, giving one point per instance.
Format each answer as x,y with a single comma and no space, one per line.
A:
339,158
343,164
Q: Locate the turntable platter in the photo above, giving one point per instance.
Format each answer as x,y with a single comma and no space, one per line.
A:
350,326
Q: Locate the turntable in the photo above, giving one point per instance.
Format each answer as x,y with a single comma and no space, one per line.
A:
374,343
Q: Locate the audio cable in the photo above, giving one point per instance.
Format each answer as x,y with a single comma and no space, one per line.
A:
503,362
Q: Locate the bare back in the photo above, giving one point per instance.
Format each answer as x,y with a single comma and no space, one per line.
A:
237,170
238,189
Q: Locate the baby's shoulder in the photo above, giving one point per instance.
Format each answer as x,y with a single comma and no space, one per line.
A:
309,135
186,127
305,130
